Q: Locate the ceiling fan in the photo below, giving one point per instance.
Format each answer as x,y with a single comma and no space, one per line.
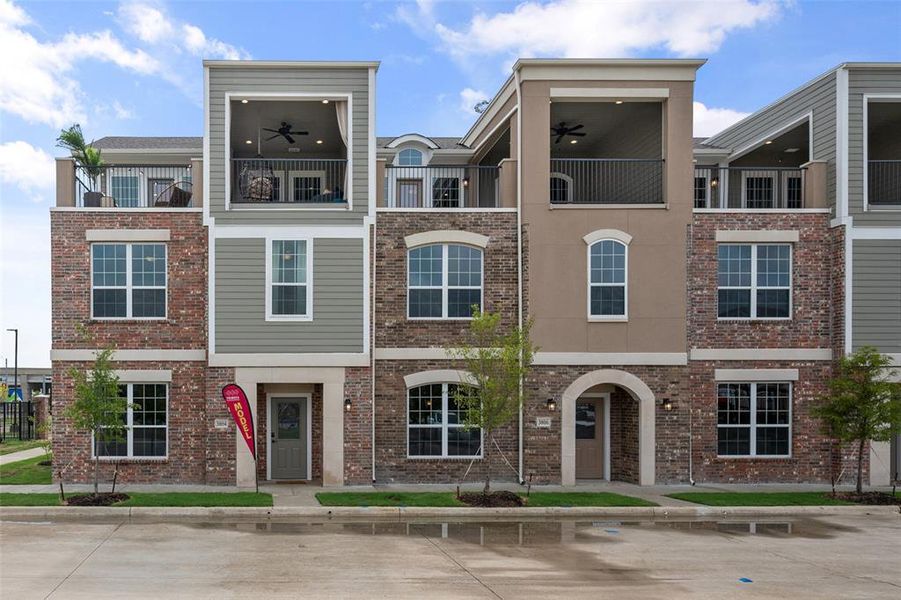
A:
285,131
561,130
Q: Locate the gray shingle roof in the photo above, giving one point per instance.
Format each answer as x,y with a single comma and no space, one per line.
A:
149,143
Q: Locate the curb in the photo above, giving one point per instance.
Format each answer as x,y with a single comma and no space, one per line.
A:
384,513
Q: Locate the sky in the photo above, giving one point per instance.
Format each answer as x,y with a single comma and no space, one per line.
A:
134,68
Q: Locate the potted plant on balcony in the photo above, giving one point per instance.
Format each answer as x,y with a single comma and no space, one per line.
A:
87,157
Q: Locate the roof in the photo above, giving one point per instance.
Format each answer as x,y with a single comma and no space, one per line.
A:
149,143
612,62
443,143
700,143
306,64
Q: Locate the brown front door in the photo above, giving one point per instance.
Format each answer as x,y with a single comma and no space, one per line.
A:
409,193
589,438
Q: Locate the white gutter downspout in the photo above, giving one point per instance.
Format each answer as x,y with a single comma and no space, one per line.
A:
371,219
518,80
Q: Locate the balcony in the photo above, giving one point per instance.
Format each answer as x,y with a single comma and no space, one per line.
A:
606,181
752,187
884,183
281,182
442,186
129,186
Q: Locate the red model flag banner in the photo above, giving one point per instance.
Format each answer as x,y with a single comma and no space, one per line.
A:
239,407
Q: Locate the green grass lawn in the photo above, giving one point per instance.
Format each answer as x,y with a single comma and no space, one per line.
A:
584,499
25,472
760,498
152,499
9,446
540,499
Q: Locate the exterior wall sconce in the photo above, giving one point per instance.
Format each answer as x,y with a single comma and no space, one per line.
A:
551,404
466,182
667,404
714,182
347,405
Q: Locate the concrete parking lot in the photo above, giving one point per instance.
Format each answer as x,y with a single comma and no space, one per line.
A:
838,557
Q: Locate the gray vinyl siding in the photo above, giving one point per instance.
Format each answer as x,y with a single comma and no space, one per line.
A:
260,80
876,305
860,82
241,325
819,98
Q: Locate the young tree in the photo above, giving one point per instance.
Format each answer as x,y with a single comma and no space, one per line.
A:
862,403
98,406
498,362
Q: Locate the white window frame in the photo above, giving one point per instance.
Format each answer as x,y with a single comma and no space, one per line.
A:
625,284
309,282
569,185
707,196
785,179
444,282
754,287
460,192
444,426
129,427
745,175
752,426
128,282
422,157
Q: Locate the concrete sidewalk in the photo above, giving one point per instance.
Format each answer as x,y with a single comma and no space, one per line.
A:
23,455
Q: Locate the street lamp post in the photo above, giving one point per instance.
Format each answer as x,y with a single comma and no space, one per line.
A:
15,361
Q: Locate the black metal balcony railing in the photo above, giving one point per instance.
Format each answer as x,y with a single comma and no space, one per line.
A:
606,181
748,187
288,181
134,186
442,186
884,183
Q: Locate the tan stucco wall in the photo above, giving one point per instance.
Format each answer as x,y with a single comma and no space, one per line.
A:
65,182
557,254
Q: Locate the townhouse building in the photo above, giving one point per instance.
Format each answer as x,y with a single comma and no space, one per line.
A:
688,296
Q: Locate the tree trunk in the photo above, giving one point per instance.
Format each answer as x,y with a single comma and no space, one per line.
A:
487,455
860,466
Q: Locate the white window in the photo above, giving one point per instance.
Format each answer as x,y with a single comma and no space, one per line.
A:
435,424
444,281
445,192
561,188
759,190
409,157
607,277
128,281
125,189
289,289
754,419
754,281
146,424
793,191
702,192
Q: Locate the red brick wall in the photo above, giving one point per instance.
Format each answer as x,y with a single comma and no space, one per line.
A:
812,284
392,464
358,426
499,290
220,444
624,460
837,289
185,325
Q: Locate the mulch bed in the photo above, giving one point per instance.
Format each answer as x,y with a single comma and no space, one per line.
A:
45,463
95,499
492,500
873,498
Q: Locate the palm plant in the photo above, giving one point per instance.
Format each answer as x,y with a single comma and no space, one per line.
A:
85,155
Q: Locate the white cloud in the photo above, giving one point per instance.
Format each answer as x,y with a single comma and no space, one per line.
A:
469,98
121,112
154,26
28,168
35,77
709,121
574,28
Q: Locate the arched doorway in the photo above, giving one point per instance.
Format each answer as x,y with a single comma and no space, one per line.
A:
646,420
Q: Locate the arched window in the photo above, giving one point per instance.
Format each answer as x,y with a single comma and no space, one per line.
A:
607,279
561,188
409,157
435,423
444,281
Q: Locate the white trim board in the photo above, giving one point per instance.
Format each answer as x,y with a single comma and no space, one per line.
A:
610,93
758,236
761,354
290,232
127,235
84,354
438,376
865,168
312,359
756,374
607,234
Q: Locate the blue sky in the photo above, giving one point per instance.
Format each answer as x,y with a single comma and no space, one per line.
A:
133,68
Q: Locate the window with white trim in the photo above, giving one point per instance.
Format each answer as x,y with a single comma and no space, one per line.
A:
561,188
128,281
607,279
289,293
445,192
435,424
754,281
701,192
444,281
754,419
146,424
759,191
409,157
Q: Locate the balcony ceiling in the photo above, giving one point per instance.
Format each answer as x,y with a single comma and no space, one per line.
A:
628,130
775,155
313,116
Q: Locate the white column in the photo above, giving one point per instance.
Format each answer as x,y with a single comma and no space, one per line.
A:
244,466
333,434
